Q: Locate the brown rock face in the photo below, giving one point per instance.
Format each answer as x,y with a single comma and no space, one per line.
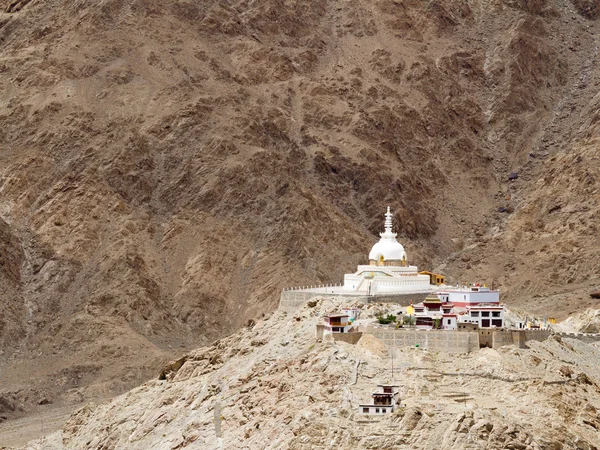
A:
167,167
13,310
588,8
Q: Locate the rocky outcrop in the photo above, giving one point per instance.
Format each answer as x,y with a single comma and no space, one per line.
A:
13,312
588,8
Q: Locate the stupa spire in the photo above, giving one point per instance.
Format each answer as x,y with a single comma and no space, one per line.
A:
388,221
388,225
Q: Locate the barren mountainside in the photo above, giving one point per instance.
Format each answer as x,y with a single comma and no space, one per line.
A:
167,167
275,387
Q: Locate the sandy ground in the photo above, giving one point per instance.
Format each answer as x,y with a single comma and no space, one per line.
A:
18,432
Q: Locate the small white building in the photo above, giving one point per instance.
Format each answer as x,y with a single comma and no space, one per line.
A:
449,321
485,315
384,401
336,323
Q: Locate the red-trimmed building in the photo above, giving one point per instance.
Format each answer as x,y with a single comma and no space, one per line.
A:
448,309
337,323
469,295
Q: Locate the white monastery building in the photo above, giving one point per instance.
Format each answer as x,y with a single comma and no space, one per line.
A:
469,295
448,309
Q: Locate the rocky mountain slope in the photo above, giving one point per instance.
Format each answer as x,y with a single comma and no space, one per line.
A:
166,168
272,386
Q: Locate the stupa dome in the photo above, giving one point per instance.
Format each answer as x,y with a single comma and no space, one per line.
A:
388,248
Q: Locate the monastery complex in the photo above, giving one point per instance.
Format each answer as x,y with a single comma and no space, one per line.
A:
414,309
432,314
388,277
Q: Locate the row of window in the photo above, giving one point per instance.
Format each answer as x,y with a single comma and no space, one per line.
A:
485,314
377,410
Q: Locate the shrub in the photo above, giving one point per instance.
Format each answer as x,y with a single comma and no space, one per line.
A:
390,318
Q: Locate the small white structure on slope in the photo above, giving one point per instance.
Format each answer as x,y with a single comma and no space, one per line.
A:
337,323
388,271
384,401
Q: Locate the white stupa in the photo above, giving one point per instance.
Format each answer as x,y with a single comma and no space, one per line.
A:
388,251
388,271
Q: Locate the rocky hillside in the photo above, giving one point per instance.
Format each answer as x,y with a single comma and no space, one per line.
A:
272,386
167,167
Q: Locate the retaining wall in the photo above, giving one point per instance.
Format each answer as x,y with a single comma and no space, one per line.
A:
536,335
486,338
290,301
519,338
350,338
584,337
432,340
501,338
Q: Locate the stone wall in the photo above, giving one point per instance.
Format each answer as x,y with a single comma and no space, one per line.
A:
290,301
519,338
457,341
350,338
432,340
501,338
536,335
486,338
588,338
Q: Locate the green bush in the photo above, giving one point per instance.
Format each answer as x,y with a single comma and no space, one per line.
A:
386,320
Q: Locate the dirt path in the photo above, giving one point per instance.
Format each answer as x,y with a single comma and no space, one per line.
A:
18,432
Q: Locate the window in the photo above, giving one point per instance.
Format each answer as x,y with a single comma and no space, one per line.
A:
366,410
485,323
474,313
495,313
497,323
464,297
485,314
449,322
377,410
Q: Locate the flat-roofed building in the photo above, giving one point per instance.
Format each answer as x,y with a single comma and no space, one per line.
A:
486,315
384,400
337,323
469,295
